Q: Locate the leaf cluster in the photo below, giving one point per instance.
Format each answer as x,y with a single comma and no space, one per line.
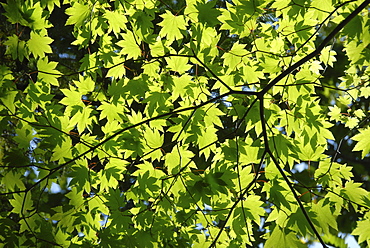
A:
183,124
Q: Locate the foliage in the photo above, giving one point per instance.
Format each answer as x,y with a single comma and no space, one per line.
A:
183,123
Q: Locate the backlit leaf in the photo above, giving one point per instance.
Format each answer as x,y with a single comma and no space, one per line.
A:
363,143
38,45
172,26
78,14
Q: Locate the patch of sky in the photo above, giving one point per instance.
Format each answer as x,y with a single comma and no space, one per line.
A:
349,141
333,143
249,89
66,56
280,129
199,226
300,167
55,188
349,240
104,219
262,223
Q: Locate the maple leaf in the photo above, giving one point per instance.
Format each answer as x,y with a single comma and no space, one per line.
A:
363,230
172,26
316,67
335,113
111,111
84,84
16,47
207,13
117,70
153,138
365,92
71,98
178,64
234,56
328,56
363,141
117,21
129,45
252,74
78,14
38,45
351,122
47,72
202,113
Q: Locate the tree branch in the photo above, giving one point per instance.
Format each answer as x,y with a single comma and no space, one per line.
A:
330,36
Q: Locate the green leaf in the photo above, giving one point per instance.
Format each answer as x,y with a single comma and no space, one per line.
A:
24,136
130,45
111,174
351,122
72,98
117,21
157,102
16,47
181,85
355,193
234,57
324,216
253,208
117,70
335,113
13,181
79,184
282,238
365,92
84,84
359,113
176,159
363,231
327,56
47,72
22,203
280,194
309,151
207,13
111,111
82,119
15,13
315,67
62,152
78,14
252,75
153,138
143,25
172,26
8,100
178,64
38,45
363,143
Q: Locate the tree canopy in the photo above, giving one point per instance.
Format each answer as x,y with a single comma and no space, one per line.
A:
187,123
